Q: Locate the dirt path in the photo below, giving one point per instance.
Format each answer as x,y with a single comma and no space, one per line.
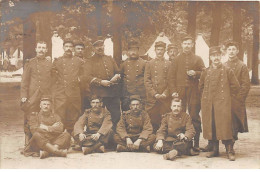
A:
12,139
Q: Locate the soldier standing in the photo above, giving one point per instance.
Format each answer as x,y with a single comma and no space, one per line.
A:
183,81
97,121
36,81
48,136
172,51
68,72
103,76
134,130
217,84
132,73
175,134
155,80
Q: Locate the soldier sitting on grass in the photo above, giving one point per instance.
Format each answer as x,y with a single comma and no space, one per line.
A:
134,130
97,121
175,134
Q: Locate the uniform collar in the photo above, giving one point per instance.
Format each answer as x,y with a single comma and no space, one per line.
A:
159,59
233,60
41,57
219,66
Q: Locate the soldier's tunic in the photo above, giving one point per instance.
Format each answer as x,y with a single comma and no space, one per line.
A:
36,81
41,137
171,126
238,106
98,68
155,80
134,126
217,86
95,123
68,72
187,86
132,73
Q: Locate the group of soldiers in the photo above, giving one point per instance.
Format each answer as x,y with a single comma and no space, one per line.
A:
139,106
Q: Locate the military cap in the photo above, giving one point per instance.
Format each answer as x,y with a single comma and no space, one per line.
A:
170,46
160,44
187,37
46,98
94,97
133,44
135,97
79,43
214,50
99,42
68,41
231,43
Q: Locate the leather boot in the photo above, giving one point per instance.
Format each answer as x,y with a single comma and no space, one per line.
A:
44,154
208,148
55,151
196,146
170,155
121,148
230,152
88,150
215,150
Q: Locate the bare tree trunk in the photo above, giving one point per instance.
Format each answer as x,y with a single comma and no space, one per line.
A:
216,24
255,60
29,39
237,27
192,15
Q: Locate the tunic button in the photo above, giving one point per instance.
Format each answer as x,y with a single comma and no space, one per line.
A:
222,91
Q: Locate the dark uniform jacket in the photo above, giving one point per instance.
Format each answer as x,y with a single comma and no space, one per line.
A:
217,87
178,71
53,121
36,78
155,79
95,123
132,73
68,72
172,125
98,68
131,125
238,101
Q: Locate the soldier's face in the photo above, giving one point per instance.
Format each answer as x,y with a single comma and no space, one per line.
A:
99,49
172,52
79,49
176,107
68,48
41,49
133,52
96,104
215,58
45,106
187,45
160,51
135,105
232,51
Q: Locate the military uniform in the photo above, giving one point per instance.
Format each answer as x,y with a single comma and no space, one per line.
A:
187,86
155,80
98,68
238,101
36,81
171,126
68,72
41,137
132,73
134,126
95,123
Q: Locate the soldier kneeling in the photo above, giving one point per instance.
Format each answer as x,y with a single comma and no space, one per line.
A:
174,137
134,130
97,121
48,136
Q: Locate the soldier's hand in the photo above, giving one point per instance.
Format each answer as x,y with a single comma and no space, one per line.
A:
175,94
159,145
105,83
23,99
82,136
181,136
137,143
163,96
44,127
191,72
95,136
157,96
129,143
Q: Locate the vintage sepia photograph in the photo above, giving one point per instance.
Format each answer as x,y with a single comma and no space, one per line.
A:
129,84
